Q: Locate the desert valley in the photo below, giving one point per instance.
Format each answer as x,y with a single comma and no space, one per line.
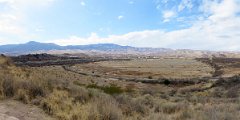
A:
103,86
119,59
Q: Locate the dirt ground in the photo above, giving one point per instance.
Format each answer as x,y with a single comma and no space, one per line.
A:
14,110
154,68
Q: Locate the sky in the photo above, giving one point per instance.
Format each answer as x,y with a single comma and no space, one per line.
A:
176,24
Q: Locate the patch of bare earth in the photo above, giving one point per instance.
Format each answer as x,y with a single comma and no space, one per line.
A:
14,110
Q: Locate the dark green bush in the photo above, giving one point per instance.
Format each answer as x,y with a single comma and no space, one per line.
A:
166,82
112,89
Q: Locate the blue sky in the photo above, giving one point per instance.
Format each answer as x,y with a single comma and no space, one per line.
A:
177,24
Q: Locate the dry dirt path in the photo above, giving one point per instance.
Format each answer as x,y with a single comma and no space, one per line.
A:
14,110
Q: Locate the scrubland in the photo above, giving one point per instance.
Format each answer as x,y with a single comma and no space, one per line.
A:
68,95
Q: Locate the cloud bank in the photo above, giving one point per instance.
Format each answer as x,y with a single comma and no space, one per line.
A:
220,30
13,22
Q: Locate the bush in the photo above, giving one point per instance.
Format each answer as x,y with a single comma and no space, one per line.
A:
112,89
150,77
23,96
107,108
79,94
184,115
139,107
130,106
78,83
233,92
170,108
58,104
166,82
35,91
8,87
125,103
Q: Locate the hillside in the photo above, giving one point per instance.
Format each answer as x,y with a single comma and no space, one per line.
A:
109,50
139,89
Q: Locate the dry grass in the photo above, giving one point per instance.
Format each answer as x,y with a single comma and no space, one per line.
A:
155,68
69,96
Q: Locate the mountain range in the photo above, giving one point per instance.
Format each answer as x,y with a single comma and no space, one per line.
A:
106,49
32,46
36,46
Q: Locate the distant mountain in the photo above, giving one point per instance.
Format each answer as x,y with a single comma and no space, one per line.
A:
27,47
106,50
32,46
101,47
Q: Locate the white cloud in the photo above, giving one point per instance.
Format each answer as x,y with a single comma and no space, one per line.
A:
120,17
13,18
131,2
39,29
167,15
22,4
165,1
133,38
203,35
8,24
219,31
225,10
185,4
83,3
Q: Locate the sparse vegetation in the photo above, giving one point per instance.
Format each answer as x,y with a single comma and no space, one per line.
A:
70,96
111,89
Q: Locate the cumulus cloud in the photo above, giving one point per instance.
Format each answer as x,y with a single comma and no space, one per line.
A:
83,3
120,17
219,31
131,2
132,38
12,17
167,15
8,24
21,4
185,4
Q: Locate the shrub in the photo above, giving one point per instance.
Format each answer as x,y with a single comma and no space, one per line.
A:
23,96
130,106
58,104
8,87
95,86
170,108
125,104
78,83
112,89
147,100
107,108
166,82
79,94
33,88
82,112
233,92
184,115
150,77
35,91
129,88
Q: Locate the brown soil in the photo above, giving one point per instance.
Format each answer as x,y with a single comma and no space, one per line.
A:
14,110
